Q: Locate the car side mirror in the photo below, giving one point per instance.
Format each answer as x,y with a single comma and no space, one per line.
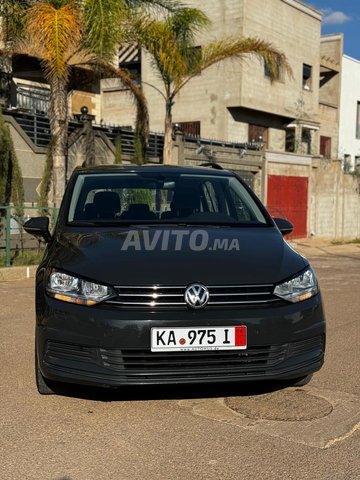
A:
39,227
283,225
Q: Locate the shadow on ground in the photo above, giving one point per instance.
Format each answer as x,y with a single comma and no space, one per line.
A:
161,392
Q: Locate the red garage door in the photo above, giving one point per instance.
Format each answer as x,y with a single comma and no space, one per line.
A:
287,196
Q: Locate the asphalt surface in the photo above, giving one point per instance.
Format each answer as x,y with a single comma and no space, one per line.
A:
160,433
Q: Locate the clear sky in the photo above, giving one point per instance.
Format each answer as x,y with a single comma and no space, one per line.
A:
341,16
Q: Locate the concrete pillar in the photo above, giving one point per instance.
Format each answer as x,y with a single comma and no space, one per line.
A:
178,151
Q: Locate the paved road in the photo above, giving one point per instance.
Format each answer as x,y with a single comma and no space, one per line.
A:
179,434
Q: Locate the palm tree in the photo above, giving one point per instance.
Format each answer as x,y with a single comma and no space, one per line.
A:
68,33
177,60
54,33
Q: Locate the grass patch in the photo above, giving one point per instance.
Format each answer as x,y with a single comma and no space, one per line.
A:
22,259
345,242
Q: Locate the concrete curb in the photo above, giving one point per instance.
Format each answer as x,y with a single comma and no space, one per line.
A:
9,274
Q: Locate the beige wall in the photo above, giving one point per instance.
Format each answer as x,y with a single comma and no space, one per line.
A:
287,24
296,31
330,126
117,106
333,197
329,98
92,101
335,202
31,160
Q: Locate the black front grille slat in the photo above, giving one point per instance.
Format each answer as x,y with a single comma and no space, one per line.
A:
305,346
176,363
163,296
135,365
63,351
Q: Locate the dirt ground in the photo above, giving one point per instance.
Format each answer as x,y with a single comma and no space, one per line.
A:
316,247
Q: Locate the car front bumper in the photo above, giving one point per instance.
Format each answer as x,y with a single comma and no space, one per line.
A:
107,346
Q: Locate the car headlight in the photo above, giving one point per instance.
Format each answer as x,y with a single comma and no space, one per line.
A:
300,288
75,290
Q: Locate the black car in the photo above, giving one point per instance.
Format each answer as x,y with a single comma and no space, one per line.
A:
171,275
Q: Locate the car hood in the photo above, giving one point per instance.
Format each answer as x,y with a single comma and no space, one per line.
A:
140,256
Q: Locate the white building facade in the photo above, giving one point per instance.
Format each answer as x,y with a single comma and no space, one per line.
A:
349,128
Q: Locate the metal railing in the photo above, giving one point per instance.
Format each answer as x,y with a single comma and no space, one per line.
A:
37,128
15,244
154,148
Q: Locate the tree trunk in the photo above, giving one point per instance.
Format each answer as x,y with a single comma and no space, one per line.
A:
167,155
59,130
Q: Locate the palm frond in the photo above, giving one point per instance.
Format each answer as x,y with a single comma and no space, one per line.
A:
159,41
164,6
238,48
102,22
185,23
13,16
106,70
56,33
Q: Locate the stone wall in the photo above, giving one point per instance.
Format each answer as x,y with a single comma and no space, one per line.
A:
31,160
211,97
103,148
335,201
247,163
329,93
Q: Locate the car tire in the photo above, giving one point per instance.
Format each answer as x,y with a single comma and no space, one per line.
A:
45,387
302,381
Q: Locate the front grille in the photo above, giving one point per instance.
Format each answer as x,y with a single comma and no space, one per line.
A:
313,345
158,296
57,351
141,366
142,363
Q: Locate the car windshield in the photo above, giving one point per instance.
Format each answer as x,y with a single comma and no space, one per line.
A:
155,197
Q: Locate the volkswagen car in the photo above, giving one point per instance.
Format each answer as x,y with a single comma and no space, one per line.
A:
171,275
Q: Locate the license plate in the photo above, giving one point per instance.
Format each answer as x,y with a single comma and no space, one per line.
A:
198,338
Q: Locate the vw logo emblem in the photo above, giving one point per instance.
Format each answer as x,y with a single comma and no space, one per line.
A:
197,295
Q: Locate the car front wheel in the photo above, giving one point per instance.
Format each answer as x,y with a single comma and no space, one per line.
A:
45,387
302,381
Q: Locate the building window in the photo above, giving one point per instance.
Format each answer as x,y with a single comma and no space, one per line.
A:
307,77
356,165
130,60
347,163
290,140
358,120
325,147
258,134
299,140
306,141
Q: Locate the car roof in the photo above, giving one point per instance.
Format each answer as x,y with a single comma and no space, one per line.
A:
156,168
